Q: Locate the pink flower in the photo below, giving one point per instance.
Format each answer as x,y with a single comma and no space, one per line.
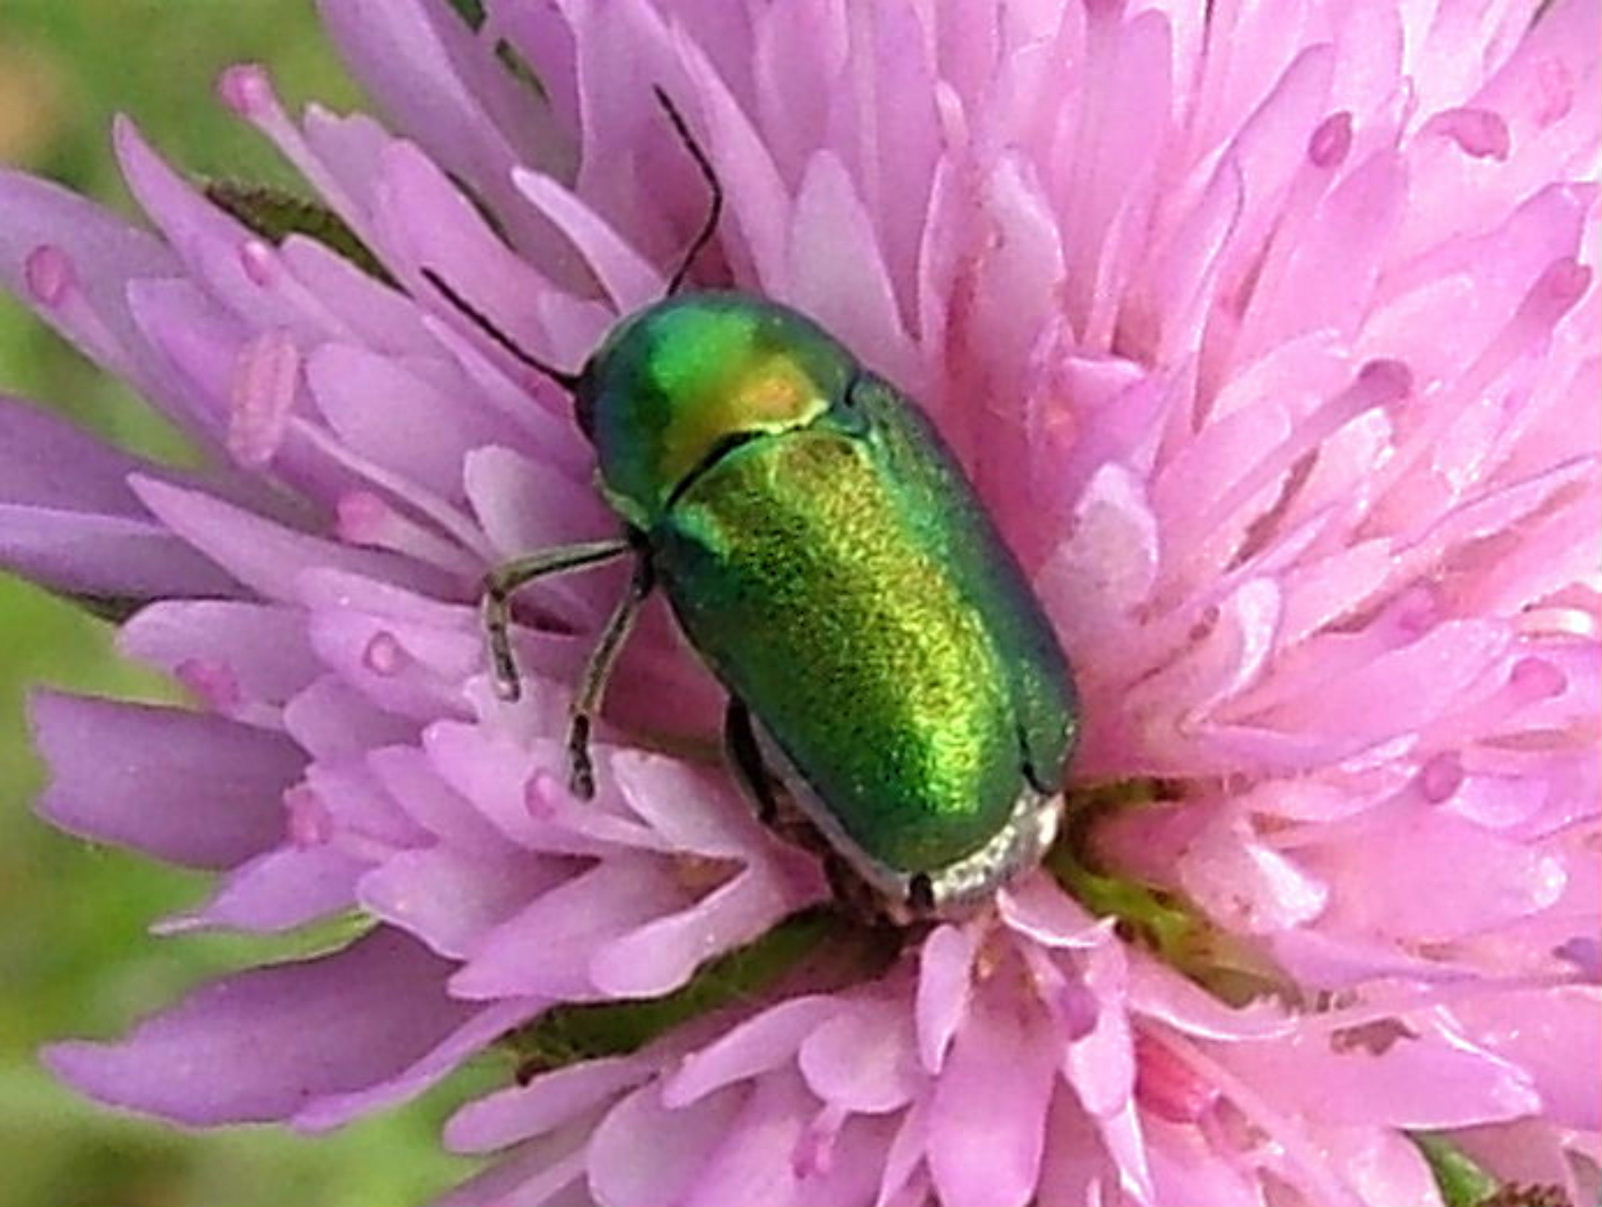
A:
1266,338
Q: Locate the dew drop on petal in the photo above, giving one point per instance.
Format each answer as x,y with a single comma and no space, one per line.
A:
1168,1087
361,518
259,261
1537,679
1385,382
1331,141
212,680
310,823
1440,777
1585,953
1557,289
814,1148
1418,611
385,655
49,274
540,796
1479,132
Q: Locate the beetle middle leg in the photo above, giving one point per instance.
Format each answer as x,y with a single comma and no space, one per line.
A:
777,810
501,583
598,672
745,758
775,807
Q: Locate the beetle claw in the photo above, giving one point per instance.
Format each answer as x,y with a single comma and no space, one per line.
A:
581,781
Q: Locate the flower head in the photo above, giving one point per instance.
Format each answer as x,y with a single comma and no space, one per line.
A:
1266,337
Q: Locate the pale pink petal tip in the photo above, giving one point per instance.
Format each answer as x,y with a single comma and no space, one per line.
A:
247,89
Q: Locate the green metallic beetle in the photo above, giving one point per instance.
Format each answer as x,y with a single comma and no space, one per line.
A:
890,671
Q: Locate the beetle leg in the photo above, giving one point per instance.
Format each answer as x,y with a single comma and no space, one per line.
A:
744,754
745,757
596,674
501,583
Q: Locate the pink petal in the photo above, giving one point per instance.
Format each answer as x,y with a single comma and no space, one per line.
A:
547,948
1422,1080
630,280
643,1153
1036,907
407,776
748,1166
1158,992
276,891
101,253
413,670
1186,1169
759,202
330,720
47,462
535,1174
680,802
105,556
263,648
432,101
259,553
1432,877
430,224
450,899
546,1103
1383,1165
663,954
1100,1064
188,788
748,1049
272,1042
835,274
379,316
988,1120
863,1059
391,414
1542,1031
1243,883
428,1068
524,504
944,990
208,239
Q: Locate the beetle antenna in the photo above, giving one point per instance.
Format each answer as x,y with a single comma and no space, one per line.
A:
568,381
715,210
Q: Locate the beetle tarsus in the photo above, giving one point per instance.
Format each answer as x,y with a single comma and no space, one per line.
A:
581,772
599,673
497,624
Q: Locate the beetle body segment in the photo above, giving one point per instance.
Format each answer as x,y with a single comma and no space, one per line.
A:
827,557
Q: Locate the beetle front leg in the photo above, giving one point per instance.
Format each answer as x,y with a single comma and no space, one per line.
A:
501,583
599,672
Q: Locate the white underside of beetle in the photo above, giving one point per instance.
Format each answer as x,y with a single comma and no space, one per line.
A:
956,890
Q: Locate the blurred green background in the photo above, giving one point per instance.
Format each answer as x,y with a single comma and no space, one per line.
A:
75,955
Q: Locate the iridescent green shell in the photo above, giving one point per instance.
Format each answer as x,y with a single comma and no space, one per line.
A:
828,558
